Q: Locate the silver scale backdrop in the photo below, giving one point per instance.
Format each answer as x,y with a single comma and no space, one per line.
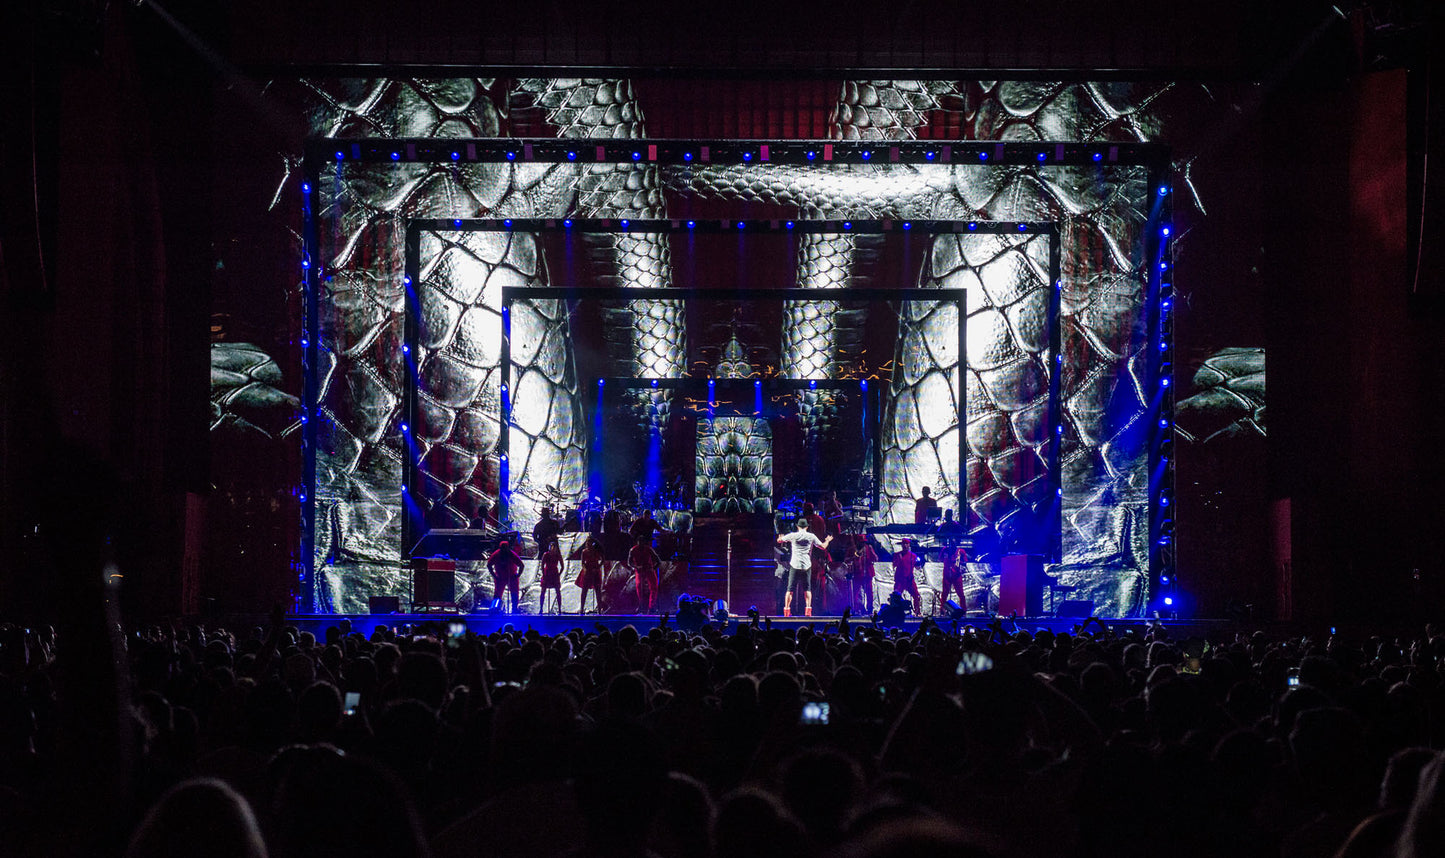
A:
362,218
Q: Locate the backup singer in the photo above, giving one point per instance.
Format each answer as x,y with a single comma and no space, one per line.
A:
551,576
590,577
645,564
955,561
862,575
506,568
905,563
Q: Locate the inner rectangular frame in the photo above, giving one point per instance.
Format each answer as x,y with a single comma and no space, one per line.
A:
510,294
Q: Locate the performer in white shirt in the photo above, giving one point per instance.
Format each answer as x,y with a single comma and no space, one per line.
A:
800,564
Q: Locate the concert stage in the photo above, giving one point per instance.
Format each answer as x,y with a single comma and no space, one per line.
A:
552,624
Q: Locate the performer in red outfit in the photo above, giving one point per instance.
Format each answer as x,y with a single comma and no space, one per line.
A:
904,564
506,568
591,575
645,564
551,576
955,561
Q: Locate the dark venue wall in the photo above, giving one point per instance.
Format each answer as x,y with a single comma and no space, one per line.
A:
163,248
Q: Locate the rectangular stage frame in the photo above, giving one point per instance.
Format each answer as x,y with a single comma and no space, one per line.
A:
1157,247
512,294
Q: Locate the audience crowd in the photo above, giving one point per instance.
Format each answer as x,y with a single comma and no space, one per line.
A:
739,740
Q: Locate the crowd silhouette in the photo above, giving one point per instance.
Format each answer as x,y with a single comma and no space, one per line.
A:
838,738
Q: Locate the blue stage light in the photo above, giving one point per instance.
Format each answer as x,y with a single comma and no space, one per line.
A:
847,224
305,344
790,224
1098,156
406,281
813,382
1164,231
305,263
511,156
1023,227
742,225
972,227
567,223
1163,190
405,349
907,225
625,223
305,188
456,156
305,419
983,156
687,156
340,156
571,156
747,156
396,156
691,224
1166,303
1042,156
1163,422
1164,382
863,384
1163,579
930,155
601,381
637,156
654,382
1163,266
1164,501
812,155
507,223
1169,600
758,383
403,427
457,223
865,154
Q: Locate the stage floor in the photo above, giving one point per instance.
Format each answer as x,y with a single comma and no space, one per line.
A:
552,624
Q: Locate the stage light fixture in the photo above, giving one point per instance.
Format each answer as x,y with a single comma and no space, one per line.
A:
396,156
457,223
758,383
1023,227
571,155
1166,303
305,188
812,382
340,156
601,381
930,155
637,156
790,224
1164,382
305,263
1059,429
1164,231
742,224
1164,500
983,156
1163,579
406,281
305,344
847,224
654,382
624,223
1042,156
508,223
567,223
403,427
305,419
1163,266
1163,422
865,154
1163,190
691,224
405,349
747,156
863,384
687,156
456,156
1098,156
812,155
1169,600
972,227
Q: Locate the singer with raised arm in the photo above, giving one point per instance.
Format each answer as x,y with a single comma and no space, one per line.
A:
802,541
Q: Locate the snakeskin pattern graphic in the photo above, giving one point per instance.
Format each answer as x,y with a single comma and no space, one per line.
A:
1226,398
735,451
247,395
1101,211
361,452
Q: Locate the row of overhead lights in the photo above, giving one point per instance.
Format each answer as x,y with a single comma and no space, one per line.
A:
742,152
734,226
